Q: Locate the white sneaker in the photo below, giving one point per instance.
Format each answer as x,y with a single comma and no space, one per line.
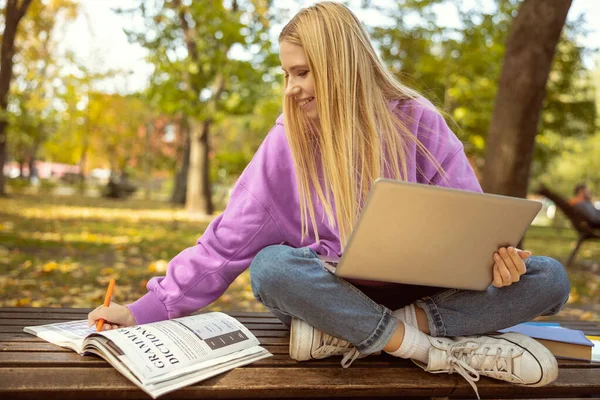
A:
510,357
308,343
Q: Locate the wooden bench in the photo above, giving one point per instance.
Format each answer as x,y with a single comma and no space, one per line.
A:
32,368
579,222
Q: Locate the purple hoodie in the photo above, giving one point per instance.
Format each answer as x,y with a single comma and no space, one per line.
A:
264,210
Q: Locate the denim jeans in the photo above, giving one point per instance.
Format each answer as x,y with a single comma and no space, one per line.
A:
293,282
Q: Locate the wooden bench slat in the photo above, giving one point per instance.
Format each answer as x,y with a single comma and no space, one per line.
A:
254,314
259,330
72,360
40,316
51,318
293,382
71,310
68,359
22,310
20,323
10,329
23,337
37,347
282,332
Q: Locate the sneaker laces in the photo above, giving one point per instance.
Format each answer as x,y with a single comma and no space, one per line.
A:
350,357
331,345
463,360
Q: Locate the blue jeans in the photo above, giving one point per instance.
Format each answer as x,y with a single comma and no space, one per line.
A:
293,282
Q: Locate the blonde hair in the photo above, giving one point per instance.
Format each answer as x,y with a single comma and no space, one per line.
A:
357,137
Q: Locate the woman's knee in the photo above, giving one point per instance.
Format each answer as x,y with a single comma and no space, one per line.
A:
268,268
550,279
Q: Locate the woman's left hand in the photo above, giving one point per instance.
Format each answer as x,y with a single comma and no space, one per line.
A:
509,265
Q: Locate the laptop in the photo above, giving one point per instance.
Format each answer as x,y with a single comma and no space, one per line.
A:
427,235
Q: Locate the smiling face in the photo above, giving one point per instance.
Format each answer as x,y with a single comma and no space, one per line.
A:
299,84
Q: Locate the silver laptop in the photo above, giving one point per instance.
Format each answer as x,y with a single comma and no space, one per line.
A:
426,235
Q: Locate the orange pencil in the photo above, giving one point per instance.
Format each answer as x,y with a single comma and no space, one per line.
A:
109,291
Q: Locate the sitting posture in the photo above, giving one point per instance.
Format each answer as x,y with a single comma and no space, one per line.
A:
347,121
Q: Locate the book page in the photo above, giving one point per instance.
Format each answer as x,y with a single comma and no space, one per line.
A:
165,349
66,334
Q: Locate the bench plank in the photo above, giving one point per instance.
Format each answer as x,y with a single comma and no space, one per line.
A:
290,383
42,319
20,323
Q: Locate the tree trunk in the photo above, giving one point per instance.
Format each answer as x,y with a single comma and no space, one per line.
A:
199,197
198,182
31,165
529,52
33,172
85,145
180,188
14,11
148,161
83,165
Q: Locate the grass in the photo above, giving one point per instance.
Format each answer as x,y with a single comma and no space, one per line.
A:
61,252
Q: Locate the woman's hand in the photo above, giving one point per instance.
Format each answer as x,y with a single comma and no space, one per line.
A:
115,316
509,265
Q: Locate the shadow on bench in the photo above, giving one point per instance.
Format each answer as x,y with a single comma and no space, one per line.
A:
579,222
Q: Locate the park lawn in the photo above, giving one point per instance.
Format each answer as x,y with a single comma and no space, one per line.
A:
61,251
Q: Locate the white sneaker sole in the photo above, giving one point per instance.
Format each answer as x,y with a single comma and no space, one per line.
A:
300,340
544,357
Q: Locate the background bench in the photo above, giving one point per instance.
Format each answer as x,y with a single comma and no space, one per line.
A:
579,222
33,368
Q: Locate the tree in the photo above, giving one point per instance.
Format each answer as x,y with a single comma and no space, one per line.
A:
197,75
33,115
529,53
580,163
80,119
459,67
13,13
183,157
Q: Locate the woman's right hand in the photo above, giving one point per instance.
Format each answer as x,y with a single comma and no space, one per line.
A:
115,316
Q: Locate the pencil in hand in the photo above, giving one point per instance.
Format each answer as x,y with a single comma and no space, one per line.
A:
109,292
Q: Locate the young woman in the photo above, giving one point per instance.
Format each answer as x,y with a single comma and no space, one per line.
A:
347,121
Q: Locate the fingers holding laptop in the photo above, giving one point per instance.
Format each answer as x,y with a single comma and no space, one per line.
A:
509,265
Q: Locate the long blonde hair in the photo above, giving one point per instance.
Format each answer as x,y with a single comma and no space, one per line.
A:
357,137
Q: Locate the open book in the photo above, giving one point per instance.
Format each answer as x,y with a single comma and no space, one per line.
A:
163,356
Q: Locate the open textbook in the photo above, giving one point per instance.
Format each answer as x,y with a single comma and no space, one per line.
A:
163,356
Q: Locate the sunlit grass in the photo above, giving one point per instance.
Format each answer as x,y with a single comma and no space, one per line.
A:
78,207
61,251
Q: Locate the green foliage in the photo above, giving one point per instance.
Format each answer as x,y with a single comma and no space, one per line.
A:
32,116
577,163
237,138
67,120
221,41
458,68
569,107
213,63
